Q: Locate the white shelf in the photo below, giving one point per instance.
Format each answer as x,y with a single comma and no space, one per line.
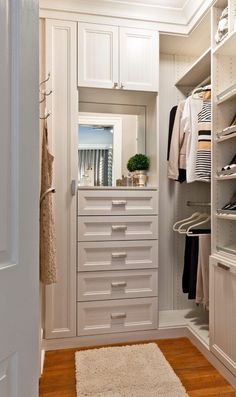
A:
228,217
225,95
226,138
227,46
225,177
196,320
198,72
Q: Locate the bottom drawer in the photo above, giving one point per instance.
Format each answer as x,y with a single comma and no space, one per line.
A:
122,315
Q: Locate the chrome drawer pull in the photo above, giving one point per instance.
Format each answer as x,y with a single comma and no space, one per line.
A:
222,266
119,284
118,255
115,316
119,228
119,202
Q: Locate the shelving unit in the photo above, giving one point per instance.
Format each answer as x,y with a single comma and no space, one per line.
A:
198,74
227,46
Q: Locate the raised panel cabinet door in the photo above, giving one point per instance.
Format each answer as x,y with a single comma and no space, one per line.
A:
60,310
222,312
97,55
139,53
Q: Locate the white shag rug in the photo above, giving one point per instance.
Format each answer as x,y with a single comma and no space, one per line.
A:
126,371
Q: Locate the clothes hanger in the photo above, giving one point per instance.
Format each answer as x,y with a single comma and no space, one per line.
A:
175,228
183,231
191,233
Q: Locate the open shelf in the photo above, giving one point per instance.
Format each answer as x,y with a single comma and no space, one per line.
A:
229,250
196,320
227,46
197,73
225,95
225,177
226,138
229,217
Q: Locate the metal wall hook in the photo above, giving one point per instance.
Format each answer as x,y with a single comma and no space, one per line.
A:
45,81
45,94
46,117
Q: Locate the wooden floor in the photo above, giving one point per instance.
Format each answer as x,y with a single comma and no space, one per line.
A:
197,375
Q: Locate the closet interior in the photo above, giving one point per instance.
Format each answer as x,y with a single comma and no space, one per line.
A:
121,249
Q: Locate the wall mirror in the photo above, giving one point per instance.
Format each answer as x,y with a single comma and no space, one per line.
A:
106,141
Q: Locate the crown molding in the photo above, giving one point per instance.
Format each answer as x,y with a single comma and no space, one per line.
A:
186,16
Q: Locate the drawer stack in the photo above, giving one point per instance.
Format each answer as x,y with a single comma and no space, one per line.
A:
117,260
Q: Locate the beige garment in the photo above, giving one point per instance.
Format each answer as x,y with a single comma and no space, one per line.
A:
177,157
202,288
48,270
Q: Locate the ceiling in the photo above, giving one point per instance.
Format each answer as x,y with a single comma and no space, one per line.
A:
155,3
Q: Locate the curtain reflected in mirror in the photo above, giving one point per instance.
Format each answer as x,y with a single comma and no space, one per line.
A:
95,155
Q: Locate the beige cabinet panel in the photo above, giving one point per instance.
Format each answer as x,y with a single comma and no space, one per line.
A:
222,311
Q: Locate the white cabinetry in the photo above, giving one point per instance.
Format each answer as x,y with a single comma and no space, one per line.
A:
117,261
117,57
222,311
139,52
98,55
60,310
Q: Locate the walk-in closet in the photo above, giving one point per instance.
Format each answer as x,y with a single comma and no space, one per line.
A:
149,255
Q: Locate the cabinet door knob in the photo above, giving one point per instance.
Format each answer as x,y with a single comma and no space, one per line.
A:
119,228
116,284
222,266
115,316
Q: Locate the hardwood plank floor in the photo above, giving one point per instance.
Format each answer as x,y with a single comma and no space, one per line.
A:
198,376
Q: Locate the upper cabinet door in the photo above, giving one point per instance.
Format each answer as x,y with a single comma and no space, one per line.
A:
139,53
98,56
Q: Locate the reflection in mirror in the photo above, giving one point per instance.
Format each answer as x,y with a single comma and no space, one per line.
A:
95,155
106,142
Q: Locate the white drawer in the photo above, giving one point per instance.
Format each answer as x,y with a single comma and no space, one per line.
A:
110,316
117,255
99,228
116,284
115,202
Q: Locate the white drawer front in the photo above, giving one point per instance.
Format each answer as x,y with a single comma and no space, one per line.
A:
113,202
99,228
117,255
116,285
123,315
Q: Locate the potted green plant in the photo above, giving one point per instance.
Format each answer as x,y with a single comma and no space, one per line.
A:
138,165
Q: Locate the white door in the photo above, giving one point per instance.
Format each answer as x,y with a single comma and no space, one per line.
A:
222,312
19,199
139,54
98,55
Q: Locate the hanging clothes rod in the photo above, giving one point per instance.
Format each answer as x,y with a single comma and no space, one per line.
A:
197,204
